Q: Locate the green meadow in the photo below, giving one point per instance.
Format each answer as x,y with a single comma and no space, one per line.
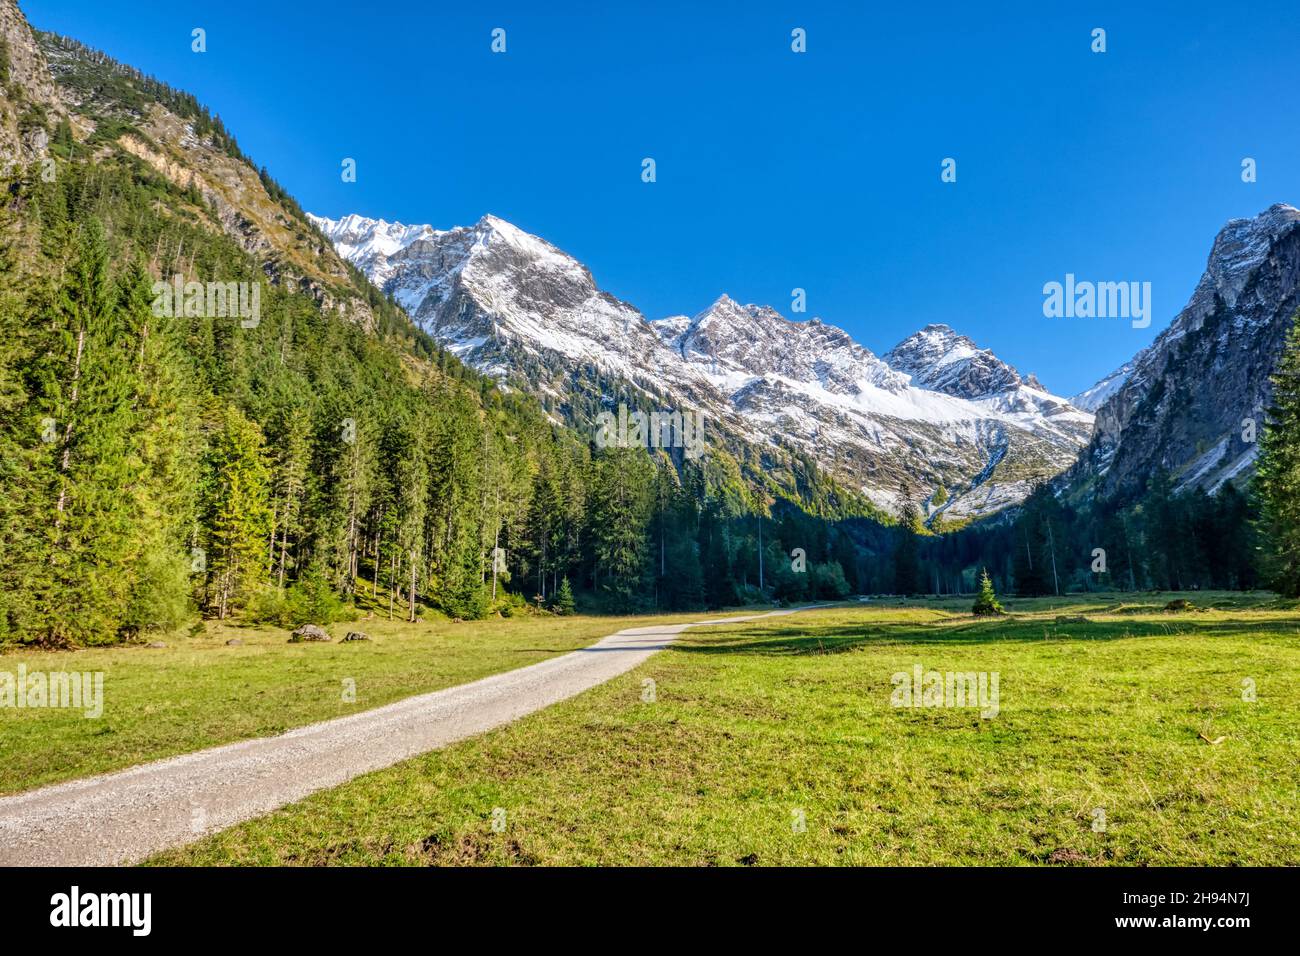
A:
1124,734
199,691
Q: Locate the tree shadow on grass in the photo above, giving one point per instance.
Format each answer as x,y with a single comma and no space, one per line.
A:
837,639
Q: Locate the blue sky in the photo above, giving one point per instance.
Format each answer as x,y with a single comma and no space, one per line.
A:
775,170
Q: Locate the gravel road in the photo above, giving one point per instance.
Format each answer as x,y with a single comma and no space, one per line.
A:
126,816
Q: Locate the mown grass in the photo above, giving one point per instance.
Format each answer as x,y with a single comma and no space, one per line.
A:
198,692
1105,704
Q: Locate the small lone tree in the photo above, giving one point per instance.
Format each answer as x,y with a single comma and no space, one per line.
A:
986,602
562,603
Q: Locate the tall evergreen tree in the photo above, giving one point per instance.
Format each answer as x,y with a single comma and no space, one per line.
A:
237,515
91,465
1277,480
907,564
620,518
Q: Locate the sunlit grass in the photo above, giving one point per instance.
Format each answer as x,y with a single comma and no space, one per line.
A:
199,692
1099,752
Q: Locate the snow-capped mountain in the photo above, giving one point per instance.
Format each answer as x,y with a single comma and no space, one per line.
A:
938,358
1182,404
516,307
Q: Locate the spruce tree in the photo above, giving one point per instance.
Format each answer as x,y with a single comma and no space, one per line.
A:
21,568
1277,479
907,564
622,480
166,441
563,602
986,601
90,463
237,515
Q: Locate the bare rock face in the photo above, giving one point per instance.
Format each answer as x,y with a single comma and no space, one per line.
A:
1183,405
29,103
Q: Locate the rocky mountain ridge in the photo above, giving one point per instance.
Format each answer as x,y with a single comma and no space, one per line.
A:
516,307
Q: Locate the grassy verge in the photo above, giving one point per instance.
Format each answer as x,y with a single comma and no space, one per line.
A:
199,692
1098,753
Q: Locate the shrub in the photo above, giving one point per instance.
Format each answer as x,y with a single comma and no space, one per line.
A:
160,596
312,600
509,604
469,602
268,605
828,581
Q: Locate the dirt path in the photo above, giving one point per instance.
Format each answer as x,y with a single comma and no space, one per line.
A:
126,816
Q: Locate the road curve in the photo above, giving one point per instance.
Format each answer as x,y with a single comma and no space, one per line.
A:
126,816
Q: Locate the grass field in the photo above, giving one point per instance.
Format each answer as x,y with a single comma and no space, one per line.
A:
1098,753
198,692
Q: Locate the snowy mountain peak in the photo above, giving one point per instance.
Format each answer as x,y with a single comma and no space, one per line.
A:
758,340
939,358
491,229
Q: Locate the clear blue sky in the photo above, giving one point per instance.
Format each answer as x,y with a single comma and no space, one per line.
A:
775,170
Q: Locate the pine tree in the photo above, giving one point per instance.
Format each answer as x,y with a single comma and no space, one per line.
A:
1277,479
986,602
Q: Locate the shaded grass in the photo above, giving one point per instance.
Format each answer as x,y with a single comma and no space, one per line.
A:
754,722
198,692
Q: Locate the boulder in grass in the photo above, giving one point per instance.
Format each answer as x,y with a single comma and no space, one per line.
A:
355,636
310,632
157,645
234,642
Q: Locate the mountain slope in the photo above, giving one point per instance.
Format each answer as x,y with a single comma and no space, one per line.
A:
514,306
156,463
1091,399
117,114
1179,405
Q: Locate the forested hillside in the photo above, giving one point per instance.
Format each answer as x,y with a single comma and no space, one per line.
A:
157,466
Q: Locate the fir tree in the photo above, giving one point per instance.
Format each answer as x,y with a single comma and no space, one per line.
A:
907,565
1277,480
986,602
237,513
